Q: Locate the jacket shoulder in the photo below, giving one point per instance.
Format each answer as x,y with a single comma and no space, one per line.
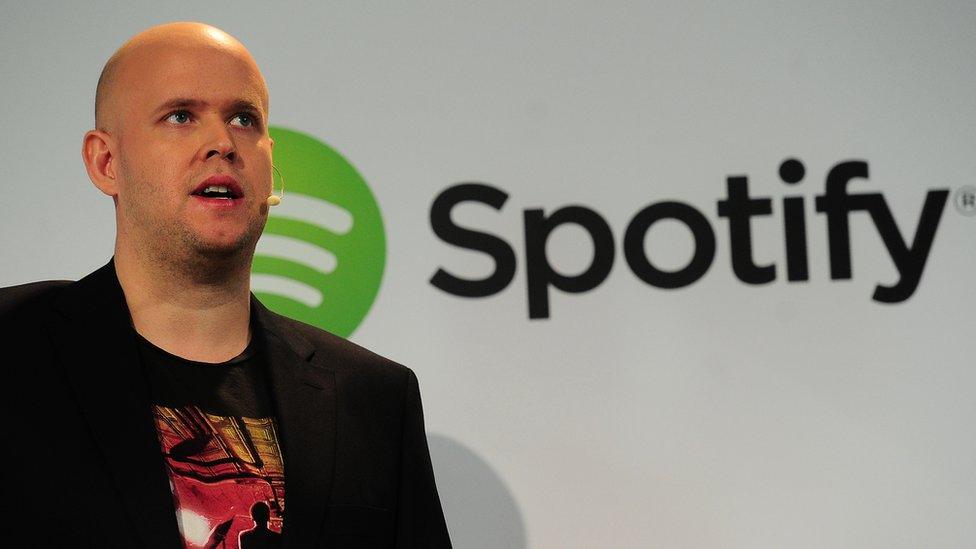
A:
342,354
25,300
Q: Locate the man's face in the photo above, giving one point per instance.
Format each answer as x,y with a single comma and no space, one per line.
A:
185,115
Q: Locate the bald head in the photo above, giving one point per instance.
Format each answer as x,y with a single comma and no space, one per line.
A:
178,105
122,70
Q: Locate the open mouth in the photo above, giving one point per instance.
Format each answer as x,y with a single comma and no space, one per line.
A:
219,186
217,191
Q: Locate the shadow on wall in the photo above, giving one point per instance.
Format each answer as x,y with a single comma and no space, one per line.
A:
480,511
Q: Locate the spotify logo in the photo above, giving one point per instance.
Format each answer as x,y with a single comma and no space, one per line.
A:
321,257
907,246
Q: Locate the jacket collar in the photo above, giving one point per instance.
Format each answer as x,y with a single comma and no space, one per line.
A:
95,340
303,388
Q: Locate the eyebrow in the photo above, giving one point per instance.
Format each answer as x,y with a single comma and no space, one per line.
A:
189,103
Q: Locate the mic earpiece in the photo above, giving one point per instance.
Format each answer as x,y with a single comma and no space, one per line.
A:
274,199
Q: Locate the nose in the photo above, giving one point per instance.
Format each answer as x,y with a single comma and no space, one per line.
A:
220,143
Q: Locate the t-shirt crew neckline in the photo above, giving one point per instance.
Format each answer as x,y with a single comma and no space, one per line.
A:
236,387
248,352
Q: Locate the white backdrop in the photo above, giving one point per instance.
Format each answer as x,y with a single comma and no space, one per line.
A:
722,414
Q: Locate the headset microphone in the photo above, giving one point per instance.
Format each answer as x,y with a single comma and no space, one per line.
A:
274,199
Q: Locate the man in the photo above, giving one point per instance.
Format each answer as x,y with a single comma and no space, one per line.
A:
156,402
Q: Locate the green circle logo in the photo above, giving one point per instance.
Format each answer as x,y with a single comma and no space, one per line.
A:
321,257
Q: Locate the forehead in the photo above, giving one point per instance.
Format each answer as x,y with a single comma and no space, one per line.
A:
211,74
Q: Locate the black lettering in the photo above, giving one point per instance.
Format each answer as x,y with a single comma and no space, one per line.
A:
791,171
909,261
700,229
539,272
739,208
837,204
497,248
795,227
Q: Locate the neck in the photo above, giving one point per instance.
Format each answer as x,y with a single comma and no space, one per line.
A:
197,308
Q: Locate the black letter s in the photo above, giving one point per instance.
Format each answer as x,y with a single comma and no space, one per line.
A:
446,230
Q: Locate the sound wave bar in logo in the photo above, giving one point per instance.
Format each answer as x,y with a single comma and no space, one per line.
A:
323,251
301,249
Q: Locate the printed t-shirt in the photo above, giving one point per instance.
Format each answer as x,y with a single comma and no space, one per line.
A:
219,440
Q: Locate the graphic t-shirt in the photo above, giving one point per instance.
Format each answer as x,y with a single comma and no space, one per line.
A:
220,443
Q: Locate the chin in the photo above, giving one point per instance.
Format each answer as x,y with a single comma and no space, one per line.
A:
225,249
224,244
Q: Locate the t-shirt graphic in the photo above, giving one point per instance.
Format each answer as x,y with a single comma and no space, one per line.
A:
220,444
227,477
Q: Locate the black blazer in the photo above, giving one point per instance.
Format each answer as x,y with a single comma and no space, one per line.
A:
81,462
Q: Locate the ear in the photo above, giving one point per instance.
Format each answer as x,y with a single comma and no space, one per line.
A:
97,150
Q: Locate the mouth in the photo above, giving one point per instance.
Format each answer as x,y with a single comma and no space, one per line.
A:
220,187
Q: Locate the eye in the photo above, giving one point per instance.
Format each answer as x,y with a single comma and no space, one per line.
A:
246,120
179,118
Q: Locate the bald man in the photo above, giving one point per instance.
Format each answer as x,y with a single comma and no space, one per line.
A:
158,402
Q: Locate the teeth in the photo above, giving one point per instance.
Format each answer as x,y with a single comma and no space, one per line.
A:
217,189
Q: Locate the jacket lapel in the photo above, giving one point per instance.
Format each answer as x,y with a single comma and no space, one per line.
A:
96,344
303,391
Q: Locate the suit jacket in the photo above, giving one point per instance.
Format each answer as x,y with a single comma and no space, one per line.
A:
82,464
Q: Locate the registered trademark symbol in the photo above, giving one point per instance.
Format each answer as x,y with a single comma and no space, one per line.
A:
965,200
